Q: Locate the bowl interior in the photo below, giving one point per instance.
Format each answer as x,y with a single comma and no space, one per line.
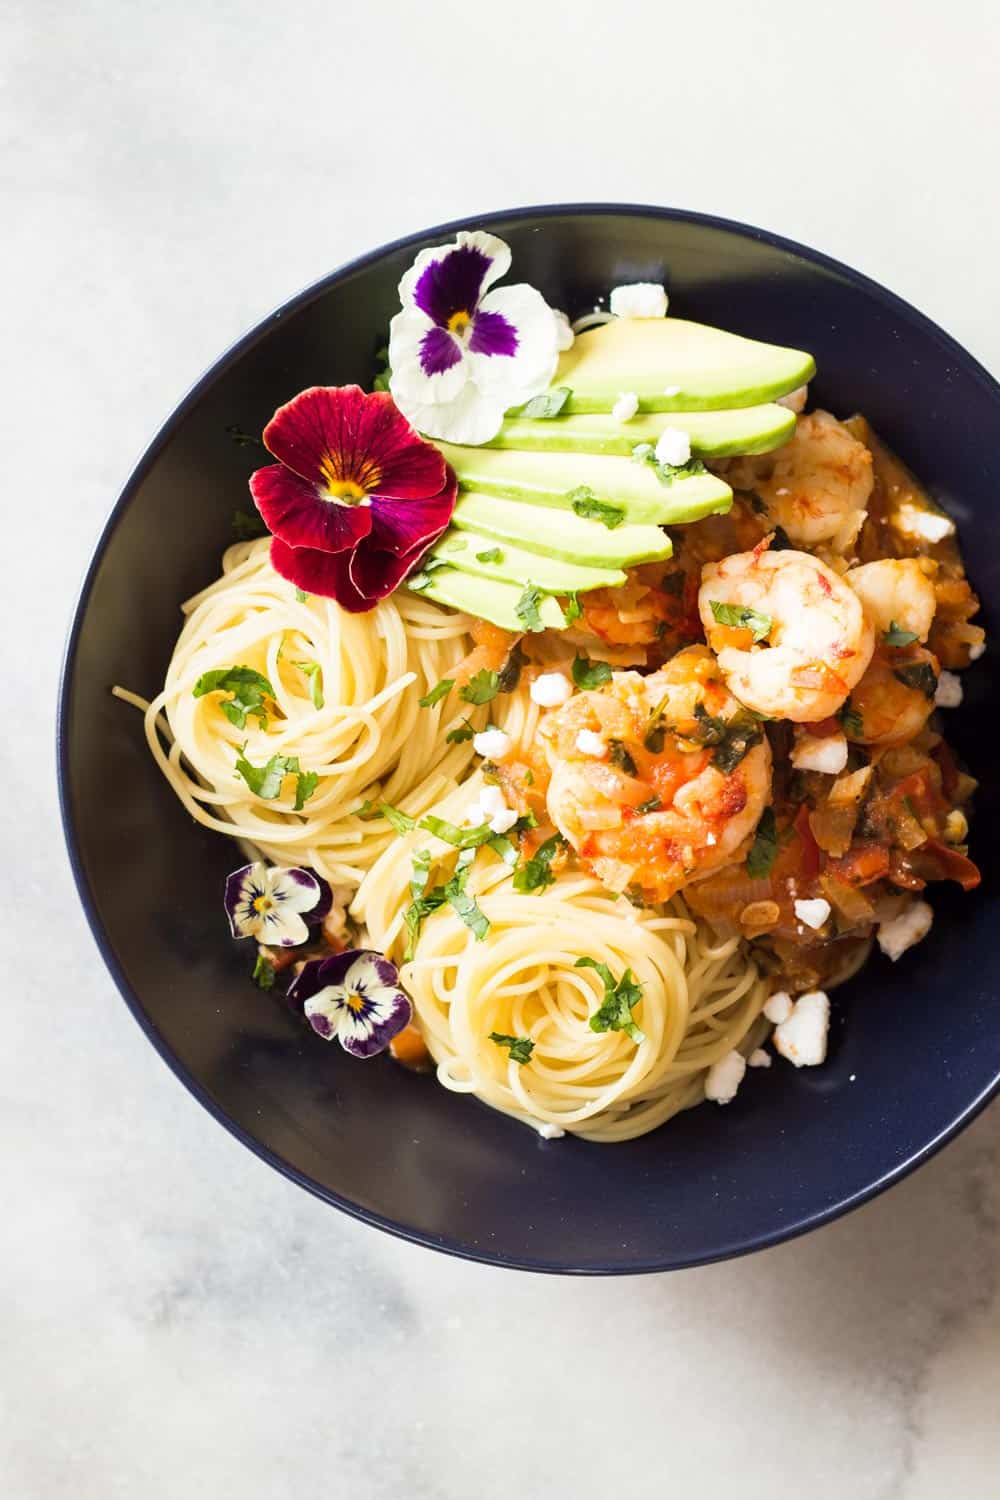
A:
915,1047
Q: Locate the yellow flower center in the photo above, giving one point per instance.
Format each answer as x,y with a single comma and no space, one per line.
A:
356,1003
262,903
459,322
345,491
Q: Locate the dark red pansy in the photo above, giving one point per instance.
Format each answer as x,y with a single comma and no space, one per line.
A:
356,498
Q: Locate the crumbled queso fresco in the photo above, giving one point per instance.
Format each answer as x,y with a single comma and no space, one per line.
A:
625,407
492,744
723,1079
639,299
674,447
551,690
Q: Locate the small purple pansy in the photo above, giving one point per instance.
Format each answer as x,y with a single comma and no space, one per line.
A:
460,354
275,905
353,996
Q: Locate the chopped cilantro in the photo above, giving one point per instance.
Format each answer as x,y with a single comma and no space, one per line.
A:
263,973
267,780
464,904
744,617
424,901
920,676
573,609
509,674
526,608
373,807
711,729
897,636
459,838
482,688
243,439
549,404
743,731
589,674
248,688
652,805
618,756
438,691
248,526
314,672
493,555
852,721
302,596
667,473
620,999
462,732
535,874
586,504
529,777
764,849
520,1047
455,544
504,848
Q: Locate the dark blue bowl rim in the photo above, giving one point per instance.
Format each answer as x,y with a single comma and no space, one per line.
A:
736,1247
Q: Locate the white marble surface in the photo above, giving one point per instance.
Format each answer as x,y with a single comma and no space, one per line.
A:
177,1319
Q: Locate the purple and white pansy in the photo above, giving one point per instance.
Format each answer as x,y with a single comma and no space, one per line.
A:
353,997
462,354
277,906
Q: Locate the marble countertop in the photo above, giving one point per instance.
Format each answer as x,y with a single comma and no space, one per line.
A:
177,1319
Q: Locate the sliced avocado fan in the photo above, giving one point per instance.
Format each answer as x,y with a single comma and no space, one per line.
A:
488,599
474,552
713,434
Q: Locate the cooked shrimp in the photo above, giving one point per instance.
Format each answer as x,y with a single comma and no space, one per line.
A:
894,698
816,487
656,780
897,591
814,640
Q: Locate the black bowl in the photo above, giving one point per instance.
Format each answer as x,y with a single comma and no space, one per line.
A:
915,1049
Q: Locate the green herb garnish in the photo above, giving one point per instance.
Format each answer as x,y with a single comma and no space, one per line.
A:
526,608
897,636
618,756
263,973
243,439
459,838
464,904
589,674
743,731
535,874
494,555
482,688
573,609
653,805
373,808
302,596
462,732
314,672
742,616
549,404
620,999
851,720
267,780
248,688
438,691
520,1047
920,676
586,504
764,849
424,901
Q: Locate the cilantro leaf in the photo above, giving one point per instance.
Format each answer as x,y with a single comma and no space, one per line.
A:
267,780
764,849
589,674
314,672
549,404
465,906
742,616
918,675
586,504
301,596
459,838
424,901
520,1047
850,718
509,674
653,805
492,555
573,608
619,756
897,636
482,688
743,731
526,608
374,808
462,732
438,691
263,973
248,526
248,688
535,874
620,999
667,473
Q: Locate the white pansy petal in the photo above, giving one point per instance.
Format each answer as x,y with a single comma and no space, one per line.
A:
281,928
496,250
409,383
531,368
296,890
473,417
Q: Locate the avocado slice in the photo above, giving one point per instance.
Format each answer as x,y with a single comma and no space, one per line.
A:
472,552
713,434
559,533
557,479
488,599
703,368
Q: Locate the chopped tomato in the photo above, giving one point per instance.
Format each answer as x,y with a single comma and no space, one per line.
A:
810,848
860,865
938,861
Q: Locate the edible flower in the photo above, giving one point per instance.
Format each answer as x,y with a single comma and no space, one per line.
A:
275,905
356,496
355,997
461,355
